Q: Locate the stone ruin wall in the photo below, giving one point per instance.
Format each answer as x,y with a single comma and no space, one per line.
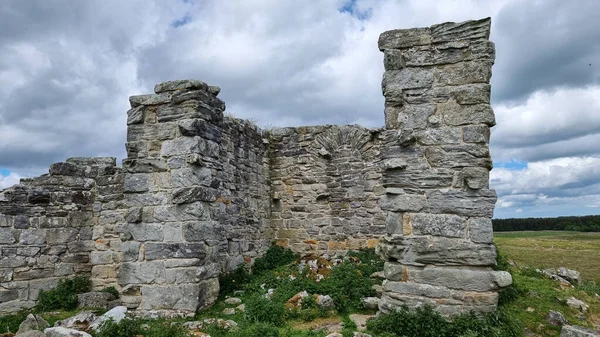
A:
201,193
48,224
326,185
438,246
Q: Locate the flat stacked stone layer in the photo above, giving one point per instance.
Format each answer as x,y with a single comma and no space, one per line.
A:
47,227
197,195
438,244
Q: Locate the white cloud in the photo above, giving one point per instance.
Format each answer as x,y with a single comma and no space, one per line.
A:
562,182
7,181
560,123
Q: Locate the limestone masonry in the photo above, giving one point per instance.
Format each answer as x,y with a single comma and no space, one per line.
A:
201,193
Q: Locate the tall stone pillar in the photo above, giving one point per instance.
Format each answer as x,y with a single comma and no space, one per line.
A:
438,247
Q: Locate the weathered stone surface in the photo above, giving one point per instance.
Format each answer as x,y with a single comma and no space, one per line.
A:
135,115
480,230
115,314
403,38
150,99
173,297
394,81
199,127
453,278
95,300
32,333
137,182
209,292
577,331
457,31
423,250
160,251
32,323
477,93
439,136
191,194
478,203
456,114
436,224
65,332
556,318
82,319
403,202
6,236
476,134
180,85
463,73
141,273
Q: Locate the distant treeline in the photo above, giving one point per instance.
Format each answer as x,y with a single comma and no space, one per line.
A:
588,223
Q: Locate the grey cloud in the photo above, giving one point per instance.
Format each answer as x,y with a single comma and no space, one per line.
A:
580,146
545,45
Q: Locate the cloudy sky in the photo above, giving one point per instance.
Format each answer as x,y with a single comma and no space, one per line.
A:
67,68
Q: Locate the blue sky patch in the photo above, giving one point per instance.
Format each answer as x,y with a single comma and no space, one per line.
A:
4,172
350,8
512,165
181,22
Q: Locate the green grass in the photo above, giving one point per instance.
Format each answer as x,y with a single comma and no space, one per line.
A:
538,294
551,249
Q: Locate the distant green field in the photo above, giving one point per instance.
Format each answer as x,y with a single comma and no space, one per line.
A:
551,249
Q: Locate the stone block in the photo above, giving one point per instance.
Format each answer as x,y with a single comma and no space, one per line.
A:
394,81
191,109
476,93
191,194
149,272
130,251
403,202
480,230
456,114
453,278
184,212
446,53
139,182
442,251
478,71
5,220
470,203
61,235
136,115
150,99
458,156
209,292
476,134
145,231
180,85
101,257
475,178
158,251
440,136
182,146
447,225
8,295
6,236
457,31
183,297
191,176
35,286
145,165
200,127
404,38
